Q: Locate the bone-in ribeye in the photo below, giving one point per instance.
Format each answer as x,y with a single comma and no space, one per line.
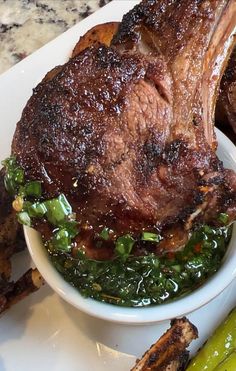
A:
126,131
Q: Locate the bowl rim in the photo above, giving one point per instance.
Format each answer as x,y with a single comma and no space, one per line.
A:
143,315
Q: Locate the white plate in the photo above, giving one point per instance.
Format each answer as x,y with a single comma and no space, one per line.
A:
43,332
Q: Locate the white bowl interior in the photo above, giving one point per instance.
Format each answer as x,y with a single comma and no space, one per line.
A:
213,286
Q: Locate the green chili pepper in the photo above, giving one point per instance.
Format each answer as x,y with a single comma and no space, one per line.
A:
229,364
218,347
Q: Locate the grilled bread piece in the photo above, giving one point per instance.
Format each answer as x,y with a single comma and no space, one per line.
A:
169,352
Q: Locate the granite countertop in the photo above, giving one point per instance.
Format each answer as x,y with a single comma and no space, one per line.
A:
26,25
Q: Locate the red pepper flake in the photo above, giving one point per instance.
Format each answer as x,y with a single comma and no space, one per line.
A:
198,247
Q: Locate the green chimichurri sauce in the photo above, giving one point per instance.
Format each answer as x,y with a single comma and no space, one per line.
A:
127,280
146,280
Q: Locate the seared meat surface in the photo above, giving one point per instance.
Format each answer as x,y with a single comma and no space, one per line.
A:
126,131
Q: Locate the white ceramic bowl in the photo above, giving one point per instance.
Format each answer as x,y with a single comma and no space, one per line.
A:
213,286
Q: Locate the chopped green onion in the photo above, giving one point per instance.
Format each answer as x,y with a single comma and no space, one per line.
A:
176,267
26,204
105,234
14,175
19,175
9,184
207,229
57,209
61,241
62,198
9,162
36,210
152,237
21,191
33,189
124,245
223,218
71,226
24,218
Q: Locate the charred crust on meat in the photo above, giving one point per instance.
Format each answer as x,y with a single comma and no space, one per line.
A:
183,360
216,180
198,197
106,57
152,150
174,151
149,14
152,359
194,329
126,28
170,348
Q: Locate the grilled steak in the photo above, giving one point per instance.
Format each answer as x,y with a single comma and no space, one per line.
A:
126,131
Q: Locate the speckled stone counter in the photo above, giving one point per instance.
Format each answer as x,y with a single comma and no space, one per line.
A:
26,25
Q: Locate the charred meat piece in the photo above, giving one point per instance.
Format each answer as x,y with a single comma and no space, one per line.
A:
226,103
169,352
5,287
122,130
12,292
